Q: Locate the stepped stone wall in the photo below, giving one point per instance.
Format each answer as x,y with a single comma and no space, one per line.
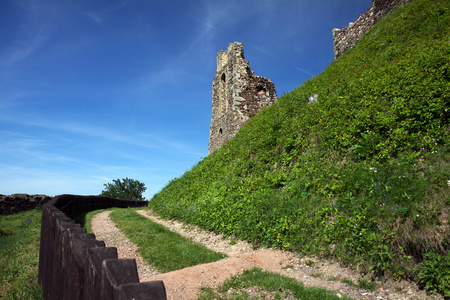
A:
237,95
345,38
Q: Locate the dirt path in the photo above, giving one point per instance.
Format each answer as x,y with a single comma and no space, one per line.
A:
186,283
106,230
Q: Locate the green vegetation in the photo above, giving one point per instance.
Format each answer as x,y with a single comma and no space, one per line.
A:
165,250
363,283
126,188
85,218
19,255
265,283
361,175
434,274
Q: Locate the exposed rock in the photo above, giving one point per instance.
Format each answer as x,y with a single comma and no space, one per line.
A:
312,98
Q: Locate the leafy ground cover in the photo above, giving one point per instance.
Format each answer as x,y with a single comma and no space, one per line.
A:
165,250
265,285
361,175
19,255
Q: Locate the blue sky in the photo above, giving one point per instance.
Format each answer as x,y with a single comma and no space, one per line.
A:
95,90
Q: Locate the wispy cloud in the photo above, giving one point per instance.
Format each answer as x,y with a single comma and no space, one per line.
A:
10,98
30,164
22,49
55,179
96,17
118,5
36,27
99,16
225,18
281,59
143,140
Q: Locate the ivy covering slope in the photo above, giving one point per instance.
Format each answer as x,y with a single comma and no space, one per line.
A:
361,175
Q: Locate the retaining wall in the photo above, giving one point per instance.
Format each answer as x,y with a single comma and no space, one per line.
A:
74,265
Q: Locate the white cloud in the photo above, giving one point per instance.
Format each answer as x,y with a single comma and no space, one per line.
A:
97,18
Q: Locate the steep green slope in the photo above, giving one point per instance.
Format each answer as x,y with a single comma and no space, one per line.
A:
361,175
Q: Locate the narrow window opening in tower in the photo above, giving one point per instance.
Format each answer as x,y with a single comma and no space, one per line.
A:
223,103
220,131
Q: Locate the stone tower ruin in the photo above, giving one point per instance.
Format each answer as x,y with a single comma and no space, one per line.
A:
237,95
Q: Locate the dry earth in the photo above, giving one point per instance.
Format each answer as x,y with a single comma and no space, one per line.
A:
186,283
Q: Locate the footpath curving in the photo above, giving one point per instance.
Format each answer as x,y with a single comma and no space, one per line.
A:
74,265
312,272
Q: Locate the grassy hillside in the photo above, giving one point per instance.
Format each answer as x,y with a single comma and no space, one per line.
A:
361,175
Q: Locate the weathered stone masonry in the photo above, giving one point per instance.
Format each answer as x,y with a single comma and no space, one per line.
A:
344,39
237,95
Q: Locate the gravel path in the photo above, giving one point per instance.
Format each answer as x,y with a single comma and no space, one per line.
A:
106,230
186,283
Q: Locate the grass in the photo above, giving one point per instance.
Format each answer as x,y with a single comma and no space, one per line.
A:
317,274
310,263
165,250
19,255
85,218
363,283
361,175
265,284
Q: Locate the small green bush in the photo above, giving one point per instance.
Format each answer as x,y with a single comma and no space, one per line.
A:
434,273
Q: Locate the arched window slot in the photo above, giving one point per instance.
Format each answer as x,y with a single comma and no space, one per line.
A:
220,131
222,94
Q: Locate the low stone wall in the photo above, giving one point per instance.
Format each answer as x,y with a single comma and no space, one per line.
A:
74,265
344,39
12,204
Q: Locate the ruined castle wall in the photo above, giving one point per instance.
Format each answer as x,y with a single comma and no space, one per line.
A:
344,39
237,95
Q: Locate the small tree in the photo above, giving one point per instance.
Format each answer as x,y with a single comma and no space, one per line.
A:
124,189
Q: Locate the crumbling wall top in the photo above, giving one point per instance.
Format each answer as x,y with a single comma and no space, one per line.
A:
237,95
345,38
